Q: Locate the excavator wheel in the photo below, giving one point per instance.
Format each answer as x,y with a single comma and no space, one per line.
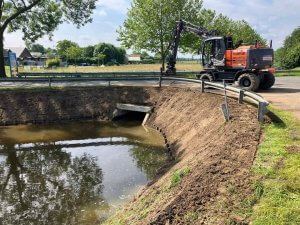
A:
249,82
206,77
268,81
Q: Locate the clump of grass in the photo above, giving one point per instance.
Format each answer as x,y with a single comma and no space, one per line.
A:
178,175
277,194
191,217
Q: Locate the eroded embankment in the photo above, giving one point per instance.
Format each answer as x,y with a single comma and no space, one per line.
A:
210,175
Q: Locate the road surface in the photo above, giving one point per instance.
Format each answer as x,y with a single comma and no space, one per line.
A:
284,95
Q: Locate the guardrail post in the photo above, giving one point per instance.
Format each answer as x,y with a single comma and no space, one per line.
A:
262,110
49,82
241,96
202,86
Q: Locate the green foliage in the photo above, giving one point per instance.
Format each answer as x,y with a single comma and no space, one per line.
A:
53,63
63,46
74,53
178,175
35,18
113,55
37,48
150,25
288,56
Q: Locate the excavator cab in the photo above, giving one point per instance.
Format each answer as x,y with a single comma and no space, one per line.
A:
214,51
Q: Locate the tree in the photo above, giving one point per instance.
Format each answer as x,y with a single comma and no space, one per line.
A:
63,46
36,18
150,24
288,56
99,57
112,54
37,48
74,53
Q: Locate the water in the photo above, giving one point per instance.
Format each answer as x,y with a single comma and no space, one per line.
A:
73,173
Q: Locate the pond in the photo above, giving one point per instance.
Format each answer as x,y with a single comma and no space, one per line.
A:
74,173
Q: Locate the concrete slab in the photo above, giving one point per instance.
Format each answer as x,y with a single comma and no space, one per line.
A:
135,108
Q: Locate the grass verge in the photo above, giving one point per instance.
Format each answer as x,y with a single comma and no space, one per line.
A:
277,173
293,74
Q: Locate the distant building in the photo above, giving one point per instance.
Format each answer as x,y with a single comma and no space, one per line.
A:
26,58
39,59
134,58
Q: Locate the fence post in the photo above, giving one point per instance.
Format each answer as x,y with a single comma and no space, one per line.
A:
241,96
49,82
202,86
262,110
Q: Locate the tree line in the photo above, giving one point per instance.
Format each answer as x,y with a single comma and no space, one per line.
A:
72,53
288,56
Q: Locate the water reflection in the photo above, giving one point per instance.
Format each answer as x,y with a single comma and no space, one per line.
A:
75,174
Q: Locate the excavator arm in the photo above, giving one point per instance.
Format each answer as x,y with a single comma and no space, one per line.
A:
181,26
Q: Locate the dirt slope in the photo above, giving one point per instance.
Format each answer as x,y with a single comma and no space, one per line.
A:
210,175
217,157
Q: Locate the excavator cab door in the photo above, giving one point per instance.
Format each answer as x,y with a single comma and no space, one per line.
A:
213,53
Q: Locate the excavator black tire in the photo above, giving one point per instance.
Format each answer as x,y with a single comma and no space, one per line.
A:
268,81
206,77
249,82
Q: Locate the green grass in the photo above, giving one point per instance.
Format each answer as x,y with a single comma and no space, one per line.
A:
178,175
277,172
290,73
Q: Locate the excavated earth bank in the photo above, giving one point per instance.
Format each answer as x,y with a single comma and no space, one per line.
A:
215,156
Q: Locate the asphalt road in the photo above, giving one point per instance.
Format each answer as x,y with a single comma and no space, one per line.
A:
284,95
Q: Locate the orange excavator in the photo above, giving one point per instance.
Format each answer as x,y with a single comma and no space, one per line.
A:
248,65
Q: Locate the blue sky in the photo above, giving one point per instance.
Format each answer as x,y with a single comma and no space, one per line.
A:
273,19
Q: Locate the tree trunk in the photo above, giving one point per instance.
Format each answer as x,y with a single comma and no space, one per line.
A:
163,58
2,60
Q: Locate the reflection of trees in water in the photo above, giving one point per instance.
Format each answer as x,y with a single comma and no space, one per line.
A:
48,187
149,159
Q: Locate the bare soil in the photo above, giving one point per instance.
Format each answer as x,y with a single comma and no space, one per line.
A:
217,155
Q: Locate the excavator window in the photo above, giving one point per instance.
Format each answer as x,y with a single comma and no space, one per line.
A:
213,53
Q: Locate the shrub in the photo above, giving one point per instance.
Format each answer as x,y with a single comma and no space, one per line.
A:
53,63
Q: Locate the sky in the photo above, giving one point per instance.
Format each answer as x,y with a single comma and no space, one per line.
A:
273,19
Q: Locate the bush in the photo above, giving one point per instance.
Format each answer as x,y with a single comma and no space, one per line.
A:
53,63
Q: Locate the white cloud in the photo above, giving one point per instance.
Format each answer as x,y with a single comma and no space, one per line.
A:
120,6
102,12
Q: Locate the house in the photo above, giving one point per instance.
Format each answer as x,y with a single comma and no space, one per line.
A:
134,58
39,59
26,58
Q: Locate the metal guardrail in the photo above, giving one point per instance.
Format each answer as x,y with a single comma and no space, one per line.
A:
114,74
98,74
260,101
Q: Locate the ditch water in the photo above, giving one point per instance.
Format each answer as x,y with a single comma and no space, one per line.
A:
74,173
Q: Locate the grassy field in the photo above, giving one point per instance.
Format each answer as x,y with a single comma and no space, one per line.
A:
181,66
290,73
277,172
